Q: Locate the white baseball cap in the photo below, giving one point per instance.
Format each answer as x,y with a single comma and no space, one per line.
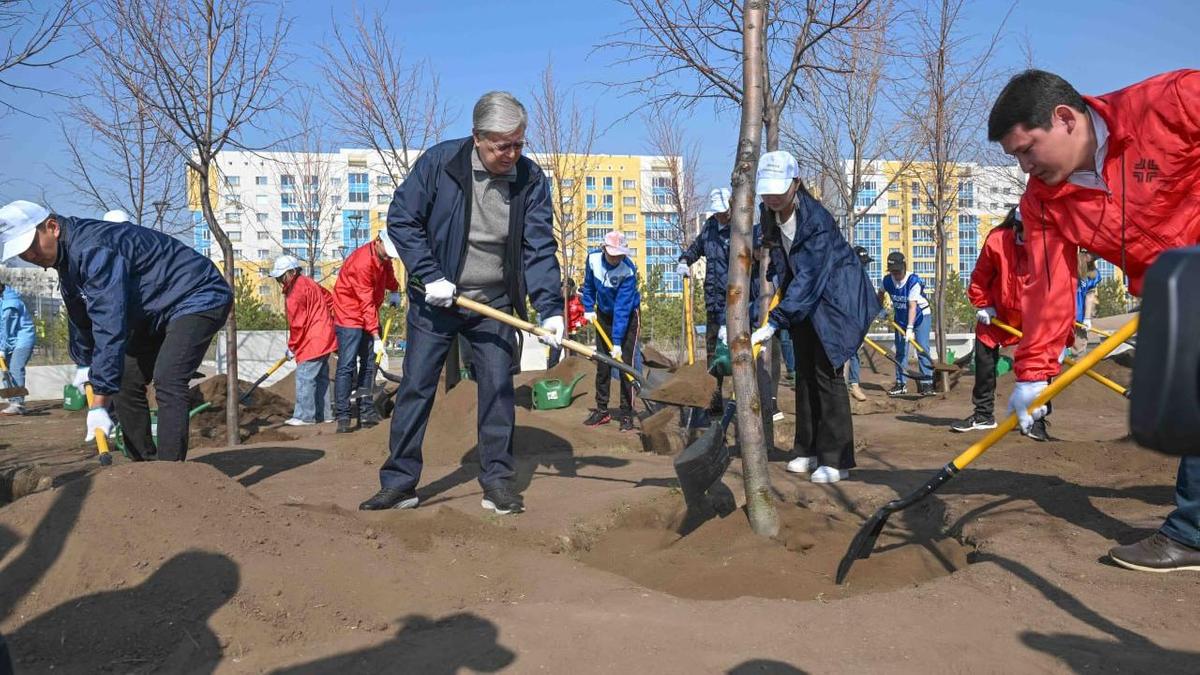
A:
18,225
614,244
718,200
776,170
389,247
282,264
117,216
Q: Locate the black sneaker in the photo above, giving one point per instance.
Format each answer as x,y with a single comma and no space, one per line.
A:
343,427
898,390
627,422
974,423
1038,431
597,418
926,390
368,421
390,498
503,500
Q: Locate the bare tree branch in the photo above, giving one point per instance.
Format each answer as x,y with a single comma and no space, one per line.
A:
31,29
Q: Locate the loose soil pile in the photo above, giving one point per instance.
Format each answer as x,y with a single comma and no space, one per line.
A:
259,418
687,385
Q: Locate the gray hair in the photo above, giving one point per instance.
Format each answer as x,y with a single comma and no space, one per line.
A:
498,112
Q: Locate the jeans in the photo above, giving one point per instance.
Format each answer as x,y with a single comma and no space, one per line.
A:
789,351
492,344
355,371
1183,525
169,360
924,361
824,428
312,390
853,370
16,360
604,374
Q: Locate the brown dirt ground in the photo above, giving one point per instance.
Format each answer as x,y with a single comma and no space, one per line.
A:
254,559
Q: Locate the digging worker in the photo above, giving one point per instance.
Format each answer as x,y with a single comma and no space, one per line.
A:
472,218
913,314
141,306
995,290
1118,174
611,299
853,365
712,244
363,282
828,304
17,338
311,339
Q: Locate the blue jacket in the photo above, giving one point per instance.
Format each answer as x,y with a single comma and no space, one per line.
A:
429,221
611,290
712,244
121,284
1082,289
16,326
823,280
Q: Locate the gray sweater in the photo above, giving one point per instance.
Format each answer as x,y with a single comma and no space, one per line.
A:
482,277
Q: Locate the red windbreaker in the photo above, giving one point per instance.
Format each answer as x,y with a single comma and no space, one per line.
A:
310,320
996,282
575,319
1152,170
361,284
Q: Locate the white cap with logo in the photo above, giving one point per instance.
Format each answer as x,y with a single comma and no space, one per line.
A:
18,225
282,264
718,200
117,216
389,246
776,171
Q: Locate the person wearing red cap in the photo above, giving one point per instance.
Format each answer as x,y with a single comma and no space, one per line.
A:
1118,174
611,297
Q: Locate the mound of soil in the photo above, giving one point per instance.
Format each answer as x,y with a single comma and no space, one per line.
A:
687,385
724,559
259,418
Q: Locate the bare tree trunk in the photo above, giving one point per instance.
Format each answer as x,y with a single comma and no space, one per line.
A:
232,431
760,504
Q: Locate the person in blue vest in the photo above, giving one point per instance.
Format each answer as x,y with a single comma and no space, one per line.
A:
610,297
827,304
1086,294
16,342
141,306
912,313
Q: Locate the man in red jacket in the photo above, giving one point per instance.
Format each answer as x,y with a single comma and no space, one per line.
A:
310,340
1118,174
365,278
995,289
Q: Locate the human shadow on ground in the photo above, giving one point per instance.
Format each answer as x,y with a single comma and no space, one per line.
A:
160,625
764,667
447,646
928,420
268,462
1055,496
1130,652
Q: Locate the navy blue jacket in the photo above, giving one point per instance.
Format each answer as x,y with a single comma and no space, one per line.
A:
611,290
825,281
712,244
121,284
429,221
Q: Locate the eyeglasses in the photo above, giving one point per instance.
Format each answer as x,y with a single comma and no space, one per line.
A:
504,148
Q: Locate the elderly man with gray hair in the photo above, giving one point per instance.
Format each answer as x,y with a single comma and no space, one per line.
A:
472,218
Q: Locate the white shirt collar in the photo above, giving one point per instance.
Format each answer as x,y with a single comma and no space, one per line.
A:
1094,178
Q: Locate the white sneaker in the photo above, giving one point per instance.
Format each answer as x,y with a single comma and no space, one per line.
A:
777,417
297,422
828,474
13,409
802,465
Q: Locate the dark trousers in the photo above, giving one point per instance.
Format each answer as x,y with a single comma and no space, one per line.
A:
1183,525
604,374
711,327
355,371
823,425
431,331
983,394
168,360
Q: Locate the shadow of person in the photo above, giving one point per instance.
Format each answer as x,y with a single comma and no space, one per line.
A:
159,625
1091,655
422,645
764,667
927,420
268,462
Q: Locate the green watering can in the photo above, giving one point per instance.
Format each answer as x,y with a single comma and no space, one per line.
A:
553,393
721,363
73,399
120,437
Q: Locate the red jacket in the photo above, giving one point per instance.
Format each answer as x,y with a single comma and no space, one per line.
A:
999,275
361,284
310,320
1152,170
575,319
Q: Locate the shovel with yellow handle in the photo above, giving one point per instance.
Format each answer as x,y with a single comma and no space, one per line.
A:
101,440
1069,361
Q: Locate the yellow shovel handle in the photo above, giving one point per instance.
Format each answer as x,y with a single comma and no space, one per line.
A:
608,343
1070,362
904,332
387,328
101,439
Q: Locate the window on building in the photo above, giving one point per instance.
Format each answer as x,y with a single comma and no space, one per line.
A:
383,180
894,187
629,201
893,236
568,182
607,202
629,185
260,180
591,201
357,163
232,217
335,200
234,235
287,181
630,236
568,217
261,218
608,183
966,195
630,217
590,182
867,194
383,199
894,220
916,203
595,235
632,251
923,251
359,192
600,218
867,233
233,181
893,203
263,253
914,186
660,189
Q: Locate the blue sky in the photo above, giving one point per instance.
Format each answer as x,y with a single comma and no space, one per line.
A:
1098,45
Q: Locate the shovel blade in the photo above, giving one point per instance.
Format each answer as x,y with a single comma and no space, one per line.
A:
863,542
701,465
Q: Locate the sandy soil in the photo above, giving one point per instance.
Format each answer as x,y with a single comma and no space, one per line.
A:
254,559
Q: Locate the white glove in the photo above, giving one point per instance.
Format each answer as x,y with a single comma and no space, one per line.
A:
589,316
1087,323
762,334
378,347
908,335
81,378
683,270
290,355
1020,401
616,352
98,418
394,299
556,327
721,335
439,293
985,316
